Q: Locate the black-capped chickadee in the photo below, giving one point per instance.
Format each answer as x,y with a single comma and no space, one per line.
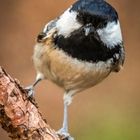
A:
79,49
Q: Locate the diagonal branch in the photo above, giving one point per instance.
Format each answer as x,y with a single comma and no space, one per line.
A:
20,116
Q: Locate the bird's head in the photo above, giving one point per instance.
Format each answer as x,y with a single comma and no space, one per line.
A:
98,13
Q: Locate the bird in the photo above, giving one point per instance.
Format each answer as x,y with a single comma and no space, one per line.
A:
79,49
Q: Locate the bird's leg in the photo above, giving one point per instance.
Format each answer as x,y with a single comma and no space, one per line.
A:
30,89
64,130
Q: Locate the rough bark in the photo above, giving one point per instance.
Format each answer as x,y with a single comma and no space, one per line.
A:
19,115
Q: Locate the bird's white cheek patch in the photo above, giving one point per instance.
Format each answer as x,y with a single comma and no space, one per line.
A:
67,23
111,35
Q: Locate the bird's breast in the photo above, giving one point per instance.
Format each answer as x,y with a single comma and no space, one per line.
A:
66,71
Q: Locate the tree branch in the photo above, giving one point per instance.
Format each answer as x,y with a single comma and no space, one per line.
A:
19,115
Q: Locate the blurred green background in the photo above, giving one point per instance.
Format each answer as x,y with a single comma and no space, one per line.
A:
108,111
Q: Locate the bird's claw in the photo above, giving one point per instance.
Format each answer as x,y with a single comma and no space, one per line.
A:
64,135
30,91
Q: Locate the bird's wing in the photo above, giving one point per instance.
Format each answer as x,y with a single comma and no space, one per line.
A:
50,25
46,31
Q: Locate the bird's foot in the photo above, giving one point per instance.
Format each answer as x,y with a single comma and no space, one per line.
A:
64,134
30,91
